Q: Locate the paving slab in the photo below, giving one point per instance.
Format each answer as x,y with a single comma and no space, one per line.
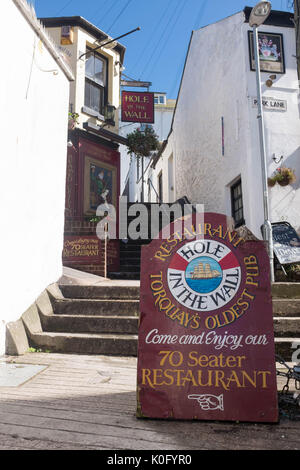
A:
88,402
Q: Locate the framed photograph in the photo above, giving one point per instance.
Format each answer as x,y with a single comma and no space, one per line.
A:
100,184
271,52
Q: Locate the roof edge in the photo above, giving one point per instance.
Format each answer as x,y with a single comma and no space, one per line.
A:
29,14
79,21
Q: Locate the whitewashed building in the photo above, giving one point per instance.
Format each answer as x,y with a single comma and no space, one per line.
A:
34,99
131,167
214,141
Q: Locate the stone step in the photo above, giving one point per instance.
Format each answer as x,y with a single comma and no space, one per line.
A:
125,275
132,259
286,347
89,324
96,307
136,243
115,292
130,249
287,307
129,268
286,326
286,290
86,343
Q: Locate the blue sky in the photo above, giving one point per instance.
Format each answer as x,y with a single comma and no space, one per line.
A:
157,52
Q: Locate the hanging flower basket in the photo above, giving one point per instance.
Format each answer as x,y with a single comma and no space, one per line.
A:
283,176
142,143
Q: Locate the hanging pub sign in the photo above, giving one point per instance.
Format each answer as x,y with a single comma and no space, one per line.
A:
271,52
286,243
138,107
206,343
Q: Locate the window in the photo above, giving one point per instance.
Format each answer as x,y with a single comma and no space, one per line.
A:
143,127
237,203
95,83
159,99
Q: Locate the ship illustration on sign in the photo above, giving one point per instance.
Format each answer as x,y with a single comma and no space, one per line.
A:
204,271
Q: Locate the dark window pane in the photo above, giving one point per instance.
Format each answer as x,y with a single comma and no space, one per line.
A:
237,203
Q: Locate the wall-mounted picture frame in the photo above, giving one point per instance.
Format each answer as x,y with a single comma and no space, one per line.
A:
271,52
100,184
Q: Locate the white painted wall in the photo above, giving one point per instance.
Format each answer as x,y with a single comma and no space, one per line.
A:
33,123
218,83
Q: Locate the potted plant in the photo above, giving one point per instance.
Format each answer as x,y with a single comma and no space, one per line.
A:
73,120
141,144
283,176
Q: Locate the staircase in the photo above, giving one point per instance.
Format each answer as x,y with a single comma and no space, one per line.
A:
130,250
103,319
286,312
130,259
85,320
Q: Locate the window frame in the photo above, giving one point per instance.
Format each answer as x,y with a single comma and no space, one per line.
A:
234,199
103,89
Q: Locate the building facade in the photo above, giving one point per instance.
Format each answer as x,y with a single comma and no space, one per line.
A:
34,97
131,183
214,140
93,169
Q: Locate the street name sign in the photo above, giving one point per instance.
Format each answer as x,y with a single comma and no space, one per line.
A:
273,104
206,343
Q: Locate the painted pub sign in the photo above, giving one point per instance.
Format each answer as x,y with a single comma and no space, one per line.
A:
206,343
138,106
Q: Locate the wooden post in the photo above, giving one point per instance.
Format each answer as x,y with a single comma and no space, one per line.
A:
105,250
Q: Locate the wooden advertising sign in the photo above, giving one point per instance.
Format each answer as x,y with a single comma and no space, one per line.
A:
81,249
286,243
206,343
138,107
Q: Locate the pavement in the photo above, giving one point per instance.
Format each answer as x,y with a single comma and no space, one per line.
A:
88,402
77,402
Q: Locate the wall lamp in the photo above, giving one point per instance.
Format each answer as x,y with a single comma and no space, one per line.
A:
109,115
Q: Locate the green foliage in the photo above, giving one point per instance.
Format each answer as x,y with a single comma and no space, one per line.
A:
38,350
142,143
74,117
